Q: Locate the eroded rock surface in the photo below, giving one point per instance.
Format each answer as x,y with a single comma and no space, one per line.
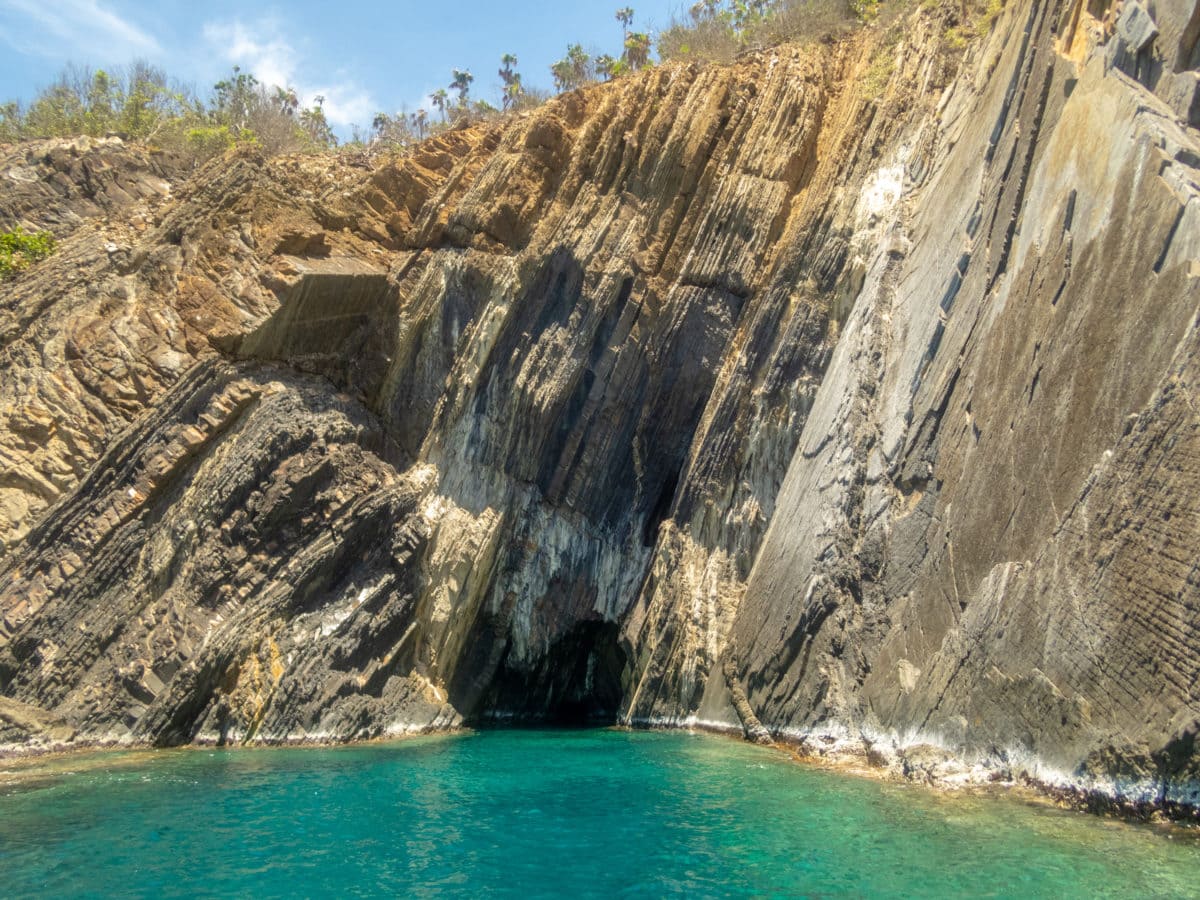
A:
759,397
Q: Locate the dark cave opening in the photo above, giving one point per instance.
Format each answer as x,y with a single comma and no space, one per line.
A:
576,683
662,509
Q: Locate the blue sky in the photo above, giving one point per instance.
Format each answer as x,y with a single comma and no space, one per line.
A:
364,56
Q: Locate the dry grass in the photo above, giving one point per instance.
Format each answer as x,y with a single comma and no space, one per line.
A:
713,40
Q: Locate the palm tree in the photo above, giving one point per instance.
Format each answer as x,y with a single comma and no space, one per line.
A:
420,120
637,50
508,64
316,127
440,101
287,101
462,84
582,70
606,67
513,91
561,72
511,78
625,17
705,11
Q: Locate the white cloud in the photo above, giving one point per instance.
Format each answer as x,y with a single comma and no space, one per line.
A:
67,27
346,104
262,49
269,57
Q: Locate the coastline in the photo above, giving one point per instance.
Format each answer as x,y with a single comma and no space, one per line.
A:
920,764
926,762
22,756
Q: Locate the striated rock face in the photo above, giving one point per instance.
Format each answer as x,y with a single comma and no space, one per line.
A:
60,185
987,538
758,397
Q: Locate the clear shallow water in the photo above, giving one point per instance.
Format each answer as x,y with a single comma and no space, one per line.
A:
554,813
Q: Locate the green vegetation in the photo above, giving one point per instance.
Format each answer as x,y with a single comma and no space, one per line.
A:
20,249
578,68
141,104
271,117
991,12
138,102
396,132
975,18
574,70
883,65
512,81
721,29
453,105
462,85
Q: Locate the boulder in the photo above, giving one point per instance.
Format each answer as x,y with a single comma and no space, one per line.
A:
1136,27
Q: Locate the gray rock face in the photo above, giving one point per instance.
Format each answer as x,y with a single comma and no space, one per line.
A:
61,184
1184,97
1135,27
972,576
734,397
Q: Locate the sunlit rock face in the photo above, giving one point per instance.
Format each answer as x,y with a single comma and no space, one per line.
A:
765,397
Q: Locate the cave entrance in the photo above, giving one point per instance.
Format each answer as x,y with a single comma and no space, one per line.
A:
577,683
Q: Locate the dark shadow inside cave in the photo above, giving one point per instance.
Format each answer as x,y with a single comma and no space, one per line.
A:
576,682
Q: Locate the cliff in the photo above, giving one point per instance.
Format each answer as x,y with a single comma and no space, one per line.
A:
845,395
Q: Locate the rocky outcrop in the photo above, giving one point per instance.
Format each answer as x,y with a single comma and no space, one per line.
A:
60,185
1005,566
763,397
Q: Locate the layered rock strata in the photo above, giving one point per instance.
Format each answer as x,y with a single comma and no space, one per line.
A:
846,395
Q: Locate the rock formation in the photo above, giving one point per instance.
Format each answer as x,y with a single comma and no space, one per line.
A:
780,396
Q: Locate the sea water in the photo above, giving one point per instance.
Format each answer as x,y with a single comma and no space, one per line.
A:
546,813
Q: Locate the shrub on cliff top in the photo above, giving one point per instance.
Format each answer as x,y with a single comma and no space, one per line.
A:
717,30
140,103
20,249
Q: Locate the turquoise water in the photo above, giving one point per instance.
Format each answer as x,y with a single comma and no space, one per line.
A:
553,813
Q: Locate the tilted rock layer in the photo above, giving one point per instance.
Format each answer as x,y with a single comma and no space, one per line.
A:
769,397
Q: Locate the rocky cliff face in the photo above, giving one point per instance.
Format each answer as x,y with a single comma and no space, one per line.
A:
769,397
